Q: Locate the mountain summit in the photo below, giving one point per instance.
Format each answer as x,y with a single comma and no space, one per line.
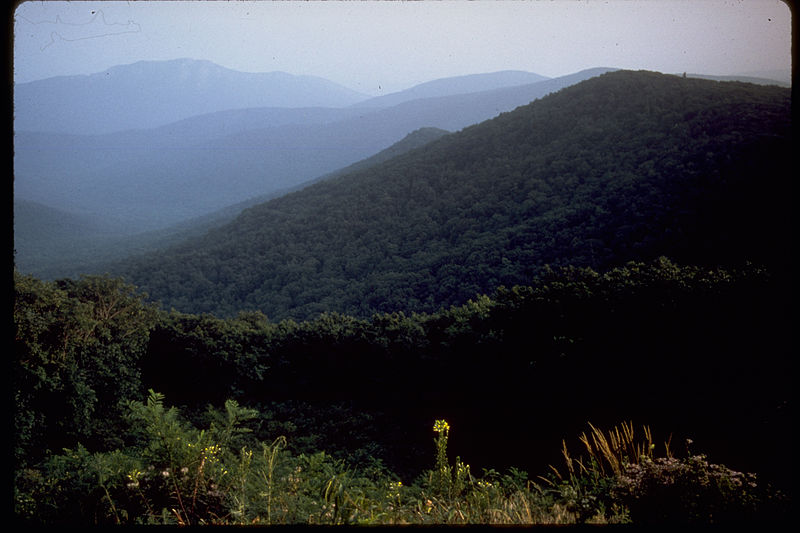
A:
148,94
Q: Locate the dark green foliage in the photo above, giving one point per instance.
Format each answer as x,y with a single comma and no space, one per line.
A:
175,473
645,341
74,487
77,346
625,166
188,353
702,351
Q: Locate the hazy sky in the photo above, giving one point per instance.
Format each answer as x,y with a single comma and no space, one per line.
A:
383,46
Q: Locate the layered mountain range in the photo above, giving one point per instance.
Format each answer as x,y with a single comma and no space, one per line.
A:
148,94
488,205
147,175
623,166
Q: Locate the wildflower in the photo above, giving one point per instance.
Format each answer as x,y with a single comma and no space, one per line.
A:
211,450
441,426
394,489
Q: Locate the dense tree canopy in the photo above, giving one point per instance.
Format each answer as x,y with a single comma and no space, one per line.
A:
626,166
77,346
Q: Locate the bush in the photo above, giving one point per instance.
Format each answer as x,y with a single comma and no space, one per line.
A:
690,490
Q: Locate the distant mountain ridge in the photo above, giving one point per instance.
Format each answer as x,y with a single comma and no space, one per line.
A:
470,83
158,177
148,94
778,79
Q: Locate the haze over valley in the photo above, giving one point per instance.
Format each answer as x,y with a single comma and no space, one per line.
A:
136,179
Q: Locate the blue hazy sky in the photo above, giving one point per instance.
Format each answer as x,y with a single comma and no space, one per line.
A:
379,47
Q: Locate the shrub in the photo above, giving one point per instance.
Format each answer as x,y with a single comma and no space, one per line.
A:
690,490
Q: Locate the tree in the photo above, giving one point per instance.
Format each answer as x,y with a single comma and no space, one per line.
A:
76,344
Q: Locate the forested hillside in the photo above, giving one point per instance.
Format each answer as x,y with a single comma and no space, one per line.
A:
624,166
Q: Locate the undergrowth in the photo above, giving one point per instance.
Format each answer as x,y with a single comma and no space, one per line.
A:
170,472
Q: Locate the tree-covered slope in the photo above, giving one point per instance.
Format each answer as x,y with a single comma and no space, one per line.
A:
628,165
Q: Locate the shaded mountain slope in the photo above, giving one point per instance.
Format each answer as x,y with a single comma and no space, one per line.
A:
51,243
45,235
628,165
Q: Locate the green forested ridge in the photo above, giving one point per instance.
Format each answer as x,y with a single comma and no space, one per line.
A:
625,166
695,352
